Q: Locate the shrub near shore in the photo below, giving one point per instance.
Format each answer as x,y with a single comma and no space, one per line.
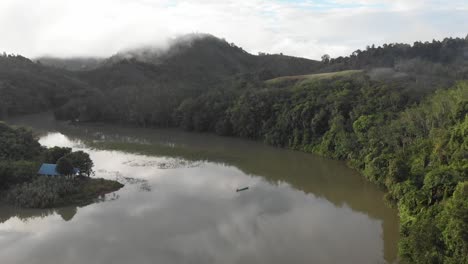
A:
47,192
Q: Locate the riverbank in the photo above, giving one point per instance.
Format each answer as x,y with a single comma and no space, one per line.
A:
416,151
45,192
183,167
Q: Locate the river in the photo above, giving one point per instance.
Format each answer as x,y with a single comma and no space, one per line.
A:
180,205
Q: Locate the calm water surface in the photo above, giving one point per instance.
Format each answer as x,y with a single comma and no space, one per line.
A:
179,204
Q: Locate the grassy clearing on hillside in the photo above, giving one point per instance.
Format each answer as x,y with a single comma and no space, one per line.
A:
316,76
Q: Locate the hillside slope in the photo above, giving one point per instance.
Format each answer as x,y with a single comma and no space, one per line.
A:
146,85
138,80
196,60
28,87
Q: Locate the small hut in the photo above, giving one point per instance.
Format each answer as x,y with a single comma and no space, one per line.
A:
51,170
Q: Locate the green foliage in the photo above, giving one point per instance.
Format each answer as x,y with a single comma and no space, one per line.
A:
421,241
19,164
337,142
29,87
52,155
47,192
94,107
440,182
81,161
16,172
449,50
65,166
148,90
77,159
41,193
454,221
17,143
19,155
254,113
433,138
205,113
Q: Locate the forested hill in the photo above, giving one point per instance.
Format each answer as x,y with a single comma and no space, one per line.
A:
194,63
204,53
449,51
146,85
28,87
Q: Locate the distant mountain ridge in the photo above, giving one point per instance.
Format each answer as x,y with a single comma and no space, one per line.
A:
71,64
193,51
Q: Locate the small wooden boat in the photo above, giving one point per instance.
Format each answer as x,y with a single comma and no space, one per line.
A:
242,189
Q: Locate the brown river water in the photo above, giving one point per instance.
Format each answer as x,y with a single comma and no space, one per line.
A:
180,205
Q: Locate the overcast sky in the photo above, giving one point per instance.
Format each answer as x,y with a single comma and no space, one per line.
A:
301,28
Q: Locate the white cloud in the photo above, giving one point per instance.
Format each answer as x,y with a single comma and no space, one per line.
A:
301,28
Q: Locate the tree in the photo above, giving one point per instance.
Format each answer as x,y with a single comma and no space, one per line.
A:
455,218
64,166
52,155
81,161
325,58
17,143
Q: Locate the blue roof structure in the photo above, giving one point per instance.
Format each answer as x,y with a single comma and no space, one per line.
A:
51,170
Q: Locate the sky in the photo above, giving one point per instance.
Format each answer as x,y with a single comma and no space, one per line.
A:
305,28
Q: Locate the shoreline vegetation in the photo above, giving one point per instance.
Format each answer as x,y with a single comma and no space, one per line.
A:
20,185
46,192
